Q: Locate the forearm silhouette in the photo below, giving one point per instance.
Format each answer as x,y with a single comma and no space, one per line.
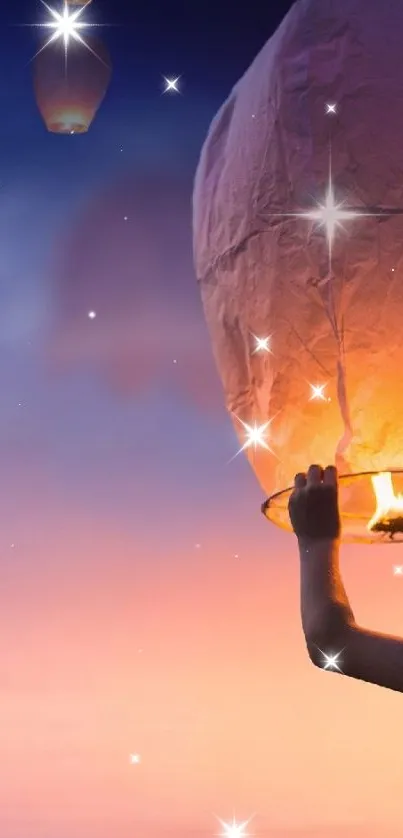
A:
330,630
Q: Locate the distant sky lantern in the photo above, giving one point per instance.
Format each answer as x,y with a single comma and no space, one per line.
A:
69,92
298,234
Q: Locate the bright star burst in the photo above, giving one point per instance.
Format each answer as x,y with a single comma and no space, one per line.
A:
330,214
255,436
331,661
135,759
331,108
234,829
66,26
317,393
398,570
262,344
171,85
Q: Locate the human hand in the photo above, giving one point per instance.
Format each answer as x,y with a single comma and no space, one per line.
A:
313,506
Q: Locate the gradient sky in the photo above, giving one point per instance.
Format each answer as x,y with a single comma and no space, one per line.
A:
146,606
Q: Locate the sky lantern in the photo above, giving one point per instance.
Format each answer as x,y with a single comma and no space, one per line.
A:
69,90
298,242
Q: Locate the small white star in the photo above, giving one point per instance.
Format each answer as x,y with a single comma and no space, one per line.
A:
135,759
331,108
236,555
255,435
392,269
398,570
125,218
197,546
317,393
171,85
92,315
12,545
331,661
262,344
330,215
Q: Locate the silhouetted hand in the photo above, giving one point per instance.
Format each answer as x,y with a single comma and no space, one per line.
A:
327,618
313,505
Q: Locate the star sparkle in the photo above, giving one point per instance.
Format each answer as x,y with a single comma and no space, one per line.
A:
235,829
261,344
331,108
330,214
317,393
255,436
135,759
66,26
92,315
172,85
331,661
398,570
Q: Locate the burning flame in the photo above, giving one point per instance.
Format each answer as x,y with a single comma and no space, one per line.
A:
388,516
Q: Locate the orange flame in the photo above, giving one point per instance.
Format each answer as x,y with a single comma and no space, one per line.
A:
388,516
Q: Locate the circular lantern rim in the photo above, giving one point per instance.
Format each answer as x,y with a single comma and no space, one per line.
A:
269,510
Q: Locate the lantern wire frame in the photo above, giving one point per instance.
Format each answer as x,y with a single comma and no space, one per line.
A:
357,506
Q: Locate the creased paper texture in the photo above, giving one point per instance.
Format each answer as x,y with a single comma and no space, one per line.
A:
262,273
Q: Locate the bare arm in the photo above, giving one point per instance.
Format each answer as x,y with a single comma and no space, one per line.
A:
328,621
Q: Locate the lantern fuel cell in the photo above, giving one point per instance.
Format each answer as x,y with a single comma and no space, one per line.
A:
298,234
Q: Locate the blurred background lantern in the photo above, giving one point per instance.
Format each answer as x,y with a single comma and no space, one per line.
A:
68,94
330,386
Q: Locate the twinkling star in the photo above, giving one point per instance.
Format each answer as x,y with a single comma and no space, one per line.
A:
234,829
331,108
171,85
262,344
66,26
135,759
92,315
317,393
398,570
331,661
330,214
255,436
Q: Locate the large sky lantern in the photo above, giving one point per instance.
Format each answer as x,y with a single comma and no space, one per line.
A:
298,241
69,89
